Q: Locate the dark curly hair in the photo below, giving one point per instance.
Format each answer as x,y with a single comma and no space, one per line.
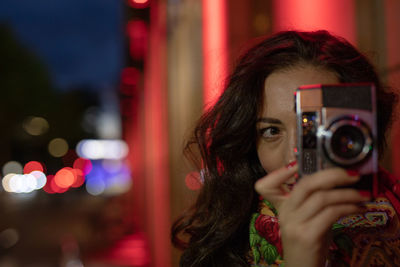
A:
214,231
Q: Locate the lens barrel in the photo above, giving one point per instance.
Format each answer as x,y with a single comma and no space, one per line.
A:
347,142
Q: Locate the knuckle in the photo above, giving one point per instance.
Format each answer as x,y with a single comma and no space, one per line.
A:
321,198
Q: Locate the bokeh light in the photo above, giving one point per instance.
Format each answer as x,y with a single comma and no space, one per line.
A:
96,185
55,188
65,177
47,188
6,182
12,167
83,164
79,178
130,76
139,3
132,250
33,166
108,177
41,179
58,147
22,183
102,149
8,238
193,181
137,31
35,125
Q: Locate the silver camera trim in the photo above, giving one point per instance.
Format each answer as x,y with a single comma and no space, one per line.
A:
327,137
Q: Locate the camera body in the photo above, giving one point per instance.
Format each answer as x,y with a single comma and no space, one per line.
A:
336,126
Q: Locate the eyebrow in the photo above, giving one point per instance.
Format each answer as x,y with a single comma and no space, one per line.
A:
269,120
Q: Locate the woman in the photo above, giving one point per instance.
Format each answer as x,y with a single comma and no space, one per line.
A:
250,210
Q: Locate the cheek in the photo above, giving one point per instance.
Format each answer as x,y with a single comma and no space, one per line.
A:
270,159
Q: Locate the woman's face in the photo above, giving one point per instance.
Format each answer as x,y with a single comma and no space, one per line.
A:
276,125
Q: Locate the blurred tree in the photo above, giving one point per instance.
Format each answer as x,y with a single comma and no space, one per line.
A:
27,90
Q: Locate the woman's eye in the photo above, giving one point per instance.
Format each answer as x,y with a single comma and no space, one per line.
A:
270,132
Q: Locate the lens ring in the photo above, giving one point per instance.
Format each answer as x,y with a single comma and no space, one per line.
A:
351,156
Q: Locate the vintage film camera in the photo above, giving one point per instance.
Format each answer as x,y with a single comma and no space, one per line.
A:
336,126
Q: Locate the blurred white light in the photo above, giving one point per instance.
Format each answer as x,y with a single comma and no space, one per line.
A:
6,182
109,125
41,179
22,183
31,183
12,167
16,183
102,149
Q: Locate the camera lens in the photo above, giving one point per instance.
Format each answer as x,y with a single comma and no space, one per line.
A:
347,142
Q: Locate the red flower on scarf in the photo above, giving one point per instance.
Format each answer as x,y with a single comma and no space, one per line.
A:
268,227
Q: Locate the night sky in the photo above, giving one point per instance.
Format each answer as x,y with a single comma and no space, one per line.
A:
80,41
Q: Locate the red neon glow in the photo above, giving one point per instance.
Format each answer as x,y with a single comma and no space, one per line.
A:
33,166
47,188
335,16
156,140
65,177
132,250
130,76
215,48
139,3
138,38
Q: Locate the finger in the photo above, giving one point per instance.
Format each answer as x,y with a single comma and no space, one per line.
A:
319,200
275,179
322,180
328,216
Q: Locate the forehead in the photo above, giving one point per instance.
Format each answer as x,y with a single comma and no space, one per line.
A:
279,86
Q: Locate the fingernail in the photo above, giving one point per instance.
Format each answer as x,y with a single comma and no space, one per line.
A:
365,194
352,172
291,164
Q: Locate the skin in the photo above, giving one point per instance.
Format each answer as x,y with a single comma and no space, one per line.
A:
307,208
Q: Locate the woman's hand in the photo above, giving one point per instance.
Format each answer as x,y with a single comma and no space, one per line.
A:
307,213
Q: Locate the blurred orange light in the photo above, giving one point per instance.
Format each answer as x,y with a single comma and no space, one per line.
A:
80,177
65,177
56,188
33,166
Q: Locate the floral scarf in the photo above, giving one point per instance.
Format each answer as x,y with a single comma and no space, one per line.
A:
369,239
